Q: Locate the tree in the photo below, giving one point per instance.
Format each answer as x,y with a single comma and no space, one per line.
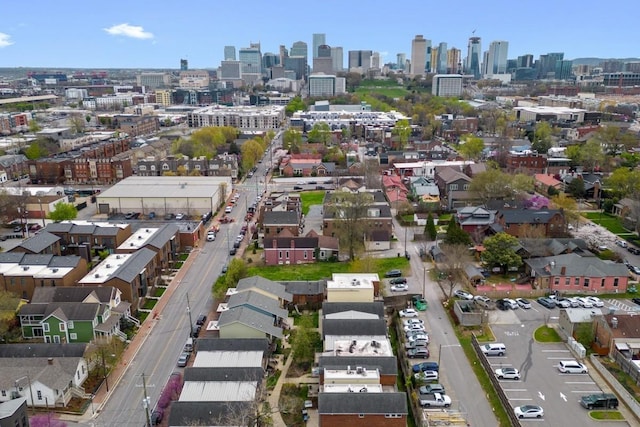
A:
591,154
372,175
251,152
36,150
349,211
8,307
456,235
576,188
237,270
585,334
568,206
292,140
34,126
500,252
541,138
63,212
303,345
491,184
471,147
430,228
88,118
623,182
320,132
296,104
451,268
402,130
77,124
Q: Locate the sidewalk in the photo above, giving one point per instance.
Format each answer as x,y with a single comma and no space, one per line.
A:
102,395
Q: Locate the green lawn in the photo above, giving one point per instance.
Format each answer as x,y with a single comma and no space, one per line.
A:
379,83
396,92
546,334
323,270
608,221
606,415
309,198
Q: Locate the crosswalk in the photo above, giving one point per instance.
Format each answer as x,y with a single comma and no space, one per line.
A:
624,306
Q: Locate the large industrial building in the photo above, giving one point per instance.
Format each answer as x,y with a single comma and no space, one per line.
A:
189,195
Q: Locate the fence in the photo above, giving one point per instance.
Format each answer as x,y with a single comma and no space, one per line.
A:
627,365
622,392
496,384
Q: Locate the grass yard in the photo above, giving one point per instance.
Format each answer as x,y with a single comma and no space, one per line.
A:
309,198
379,83
546,334
323,270
606,415
397,92
608,221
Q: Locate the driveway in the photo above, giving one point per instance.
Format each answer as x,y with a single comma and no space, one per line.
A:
313,219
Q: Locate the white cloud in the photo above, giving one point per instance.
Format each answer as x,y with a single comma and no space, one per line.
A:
5,40
127,30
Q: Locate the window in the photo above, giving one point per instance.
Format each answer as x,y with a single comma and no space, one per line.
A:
587,282
45,327
70,324
39,393
361,416
73,336
279,254
142,167
556,281
577,281
63,327
567,281
453,187
305,254
615,282
4,393
56,339
287,254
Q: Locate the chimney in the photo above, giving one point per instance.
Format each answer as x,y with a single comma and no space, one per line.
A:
614,322
50,361
563,270
293,244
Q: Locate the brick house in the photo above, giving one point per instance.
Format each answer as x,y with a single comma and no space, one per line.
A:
288,249
617,332
519,222
571,273
273,222
377,216
528,164
164,241
363,409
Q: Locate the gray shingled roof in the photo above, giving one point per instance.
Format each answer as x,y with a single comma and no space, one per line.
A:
233,344
134,265
527,216
272,218
285,242
11,257
352,327
69,261
106,231
305,287
162,236
256,300
71,294
223,374
376,307
362,403
55,374
211,414
250,318
59,227
36,259
42,350
388,365
83,229
39,242
576,266
266,285
71,310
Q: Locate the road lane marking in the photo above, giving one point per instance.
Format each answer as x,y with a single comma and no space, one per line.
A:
500,364
563,397
518,399
541,395
555,351
587,391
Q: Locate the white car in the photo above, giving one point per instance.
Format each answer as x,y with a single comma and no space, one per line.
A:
572,367
417,336
301,183
513,305
408,312
585,302
414,327
563,302
463,294
508,374
401,287
180,216
523,303
529,411
427,376
574,302
228,209
597,302
408,322
211,236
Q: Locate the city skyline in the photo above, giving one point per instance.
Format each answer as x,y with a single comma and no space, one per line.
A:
130,35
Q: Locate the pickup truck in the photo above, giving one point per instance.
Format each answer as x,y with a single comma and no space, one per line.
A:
435,399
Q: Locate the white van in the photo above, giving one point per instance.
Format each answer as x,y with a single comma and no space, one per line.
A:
493,349
188,346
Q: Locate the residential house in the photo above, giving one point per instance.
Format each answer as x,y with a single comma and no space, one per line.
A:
21,273
13,413
425,191
222,165
43,374
572,273
592,183
353,287
618,334
570,319
351,185
473,169
41,243
542,247
543,182
309,293
266,287
530,222
87,238
133,274
205,413
394,189
62,322
362,409
475,220
386,366
274,222
526,162
450,182
287,249
306,165
164,241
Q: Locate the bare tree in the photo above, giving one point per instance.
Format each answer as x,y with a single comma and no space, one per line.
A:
350,224
451,269
372,176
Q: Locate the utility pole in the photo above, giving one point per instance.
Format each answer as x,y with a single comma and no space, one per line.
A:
146,400
104,369
189,311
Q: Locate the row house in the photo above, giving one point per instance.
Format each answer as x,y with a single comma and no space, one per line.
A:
571,273
87,239
100,170
21,273
528,164
14,165
223,165
164,241
135,125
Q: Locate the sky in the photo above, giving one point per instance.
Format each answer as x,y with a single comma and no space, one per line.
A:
145,34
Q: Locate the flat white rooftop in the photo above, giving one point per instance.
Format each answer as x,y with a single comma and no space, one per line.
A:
352,281
354,374
362,347
228,359
105,269
138,239
218,391
352,388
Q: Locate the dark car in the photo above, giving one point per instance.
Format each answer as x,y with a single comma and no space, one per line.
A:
502,305
398,281
297,187
156,417
236,245
599,400
425,366
547,302
633,250
195,330
201,319
224,268
319,187
393,273
131,215
636,300
233,251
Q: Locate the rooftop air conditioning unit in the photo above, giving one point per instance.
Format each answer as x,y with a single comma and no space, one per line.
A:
96,275
117,256
359,370
108,265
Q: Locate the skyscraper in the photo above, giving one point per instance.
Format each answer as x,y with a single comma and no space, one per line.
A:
283,53
360,59
251,62
473,57
454,61
375,60
323,63
525,61
547,64
419,55
497,58
318,40
337,56
184,65
401,59
229,53
441,62
563,69
299,49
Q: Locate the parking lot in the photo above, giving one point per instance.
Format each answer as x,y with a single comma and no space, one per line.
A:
541,383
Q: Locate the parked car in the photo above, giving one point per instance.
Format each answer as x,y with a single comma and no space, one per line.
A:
508,374
183,360
511,303
426,376
131,215
398,281
228,209
225,268
597,302
233,251
201,319
434,399
180,216
547,302
523,303
419,303
297,187
633,250
418,352
400,288
463,294
425,366
211,236
599,401
156,417
564,302
493,349
432,388
408,312
503,305
529,411
636,300
572,367
415,336
414,327
585,302
393,273
414,321
483,301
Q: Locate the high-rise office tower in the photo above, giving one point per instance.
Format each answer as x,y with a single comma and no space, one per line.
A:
441,62
251,59
337,56
184,65
454,61
375,60
564,69
401,59
324,51
269,60
323,63
360,59
318,40
473,57
284,53
299,49
497,57
524,61
547,64
419,56
229,53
